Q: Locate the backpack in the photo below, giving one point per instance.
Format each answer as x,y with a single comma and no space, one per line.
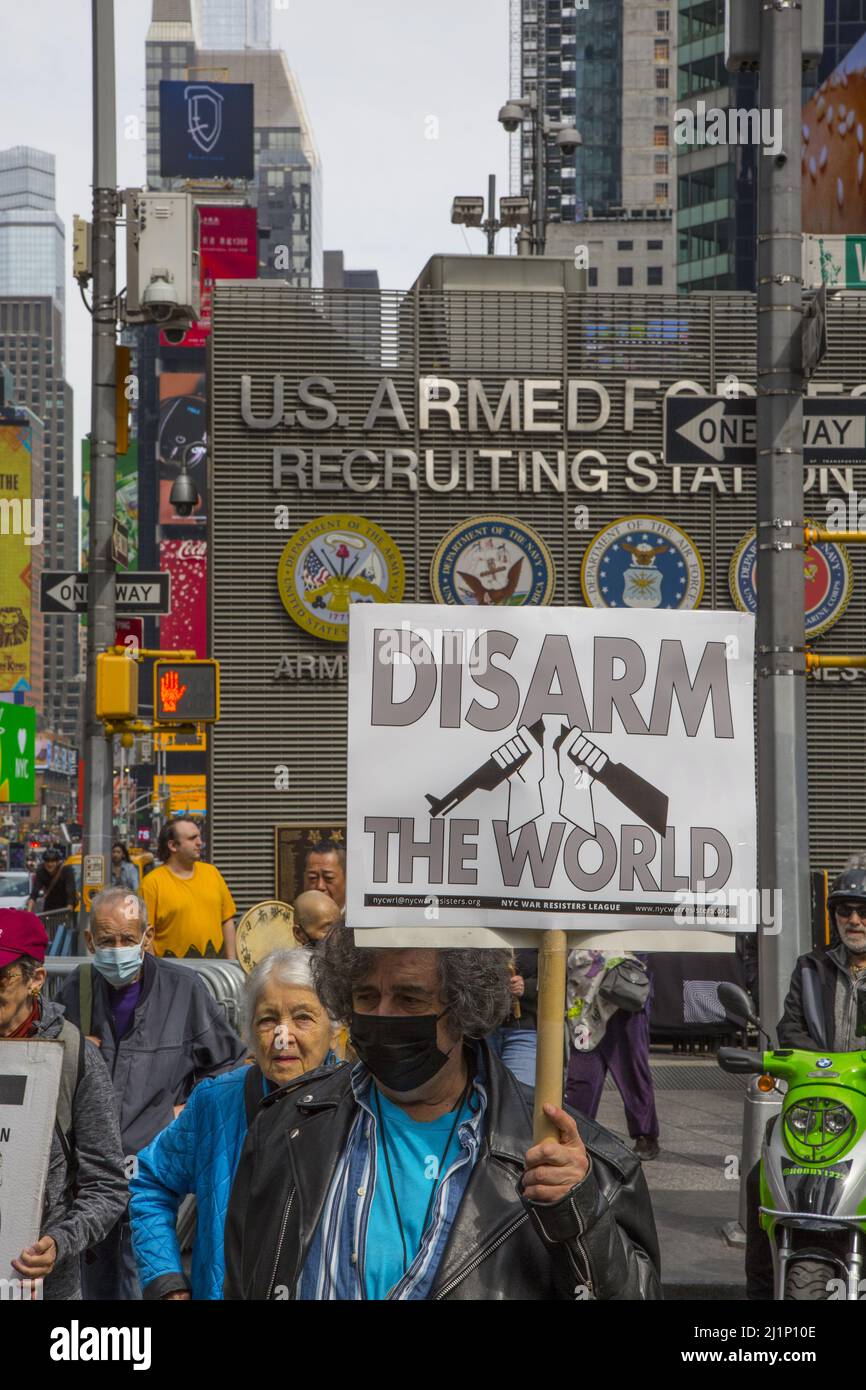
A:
71,1073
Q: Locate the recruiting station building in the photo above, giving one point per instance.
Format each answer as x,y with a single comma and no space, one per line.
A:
495,386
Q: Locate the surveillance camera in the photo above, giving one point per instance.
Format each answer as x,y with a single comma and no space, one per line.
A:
510,116
184,494
160,296
174,335
569,139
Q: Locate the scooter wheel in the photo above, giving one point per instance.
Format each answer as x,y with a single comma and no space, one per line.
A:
809,1281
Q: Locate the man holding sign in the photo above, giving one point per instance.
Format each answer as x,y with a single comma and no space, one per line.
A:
414,1175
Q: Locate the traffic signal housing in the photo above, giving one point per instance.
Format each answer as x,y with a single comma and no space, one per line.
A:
116,687
186,692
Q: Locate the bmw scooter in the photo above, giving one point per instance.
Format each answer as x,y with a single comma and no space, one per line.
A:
813,1162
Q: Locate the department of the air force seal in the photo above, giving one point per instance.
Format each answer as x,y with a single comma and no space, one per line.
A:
642,562
333,562
826,573
492,559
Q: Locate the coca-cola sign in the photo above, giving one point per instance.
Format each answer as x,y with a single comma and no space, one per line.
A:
185,628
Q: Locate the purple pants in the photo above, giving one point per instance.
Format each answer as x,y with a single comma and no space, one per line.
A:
625,1049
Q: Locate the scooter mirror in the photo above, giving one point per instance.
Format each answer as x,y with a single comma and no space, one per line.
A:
737,1005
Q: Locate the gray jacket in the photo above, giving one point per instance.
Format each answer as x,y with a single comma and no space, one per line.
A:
78,1222
178,1035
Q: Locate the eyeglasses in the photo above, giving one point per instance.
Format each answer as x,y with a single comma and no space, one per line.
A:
848,910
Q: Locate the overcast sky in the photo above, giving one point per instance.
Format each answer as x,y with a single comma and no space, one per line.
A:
371,71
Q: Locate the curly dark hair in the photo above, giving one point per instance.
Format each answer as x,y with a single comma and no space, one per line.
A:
473,983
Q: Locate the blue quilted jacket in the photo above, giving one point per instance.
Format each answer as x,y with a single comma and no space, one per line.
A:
198,1153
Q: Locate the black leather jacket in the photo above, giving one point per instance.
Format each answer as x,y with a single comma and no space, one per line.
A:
598,1242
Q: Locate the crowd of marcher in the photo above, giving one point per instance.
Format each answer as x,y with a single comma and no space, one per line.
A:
369,1134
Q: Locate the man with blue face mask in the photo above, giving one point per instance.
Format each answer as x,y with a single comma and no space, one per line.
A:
159,1031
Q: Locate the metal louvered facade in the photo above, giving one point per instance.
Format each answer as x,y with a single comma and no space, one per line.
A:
355,340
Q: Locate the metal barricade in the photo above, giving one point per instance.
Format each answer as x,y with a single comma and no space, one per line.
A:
61,924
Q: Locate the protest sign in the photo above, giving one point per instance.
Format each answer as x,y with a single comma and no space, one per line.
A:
29,1085
550,768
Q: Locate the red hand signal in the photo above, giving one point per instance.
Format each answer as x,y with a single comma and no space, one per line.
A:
171,692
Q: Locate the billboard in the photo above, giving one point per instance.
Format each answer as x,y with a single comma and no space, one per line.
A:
17,755
185,628
126,504
550,767
206,130
228,246
182,428
16,551
834,187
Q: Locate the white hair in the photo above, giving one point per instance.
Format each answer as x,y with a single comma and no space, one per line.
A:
110,898
288,967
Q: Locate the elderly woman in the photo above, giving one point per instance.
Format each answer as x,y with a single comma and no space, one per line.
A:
290,1034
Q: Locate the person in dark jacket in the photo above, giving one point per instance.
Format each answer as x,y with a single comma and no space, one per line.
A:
426,1147
515,1041
85,1187
53,884
824,1011
159,1030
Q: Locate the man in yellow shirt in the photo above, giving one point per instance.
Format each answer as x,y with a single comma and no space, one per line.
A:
188,902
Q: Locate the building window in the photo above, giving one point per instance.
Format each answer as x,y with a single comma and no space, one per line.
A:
660,135
624,275
661,79
655,245
655,275
661,50
660,192
660,164
663,21
625,246
592,277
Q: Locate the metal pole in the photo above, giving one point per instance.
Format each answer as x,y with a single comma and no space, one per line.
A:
100,575
491,227
540,188
783,836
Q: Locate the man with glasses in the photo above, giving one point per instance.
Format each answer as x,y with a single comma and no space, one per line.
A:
825,1010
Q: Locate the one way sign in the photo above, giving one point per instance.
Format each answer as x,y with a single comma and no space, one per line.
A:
62,592
714,429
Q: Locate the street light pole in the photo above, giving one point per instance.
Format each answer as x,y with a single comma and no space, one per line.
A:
783,849
101,569
539,135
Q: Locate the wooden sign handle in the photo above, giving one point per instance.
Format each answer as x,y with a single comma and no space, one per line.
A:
552,956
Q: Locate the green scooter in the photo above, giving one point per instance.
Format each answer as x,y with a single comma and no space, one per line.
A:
813,1163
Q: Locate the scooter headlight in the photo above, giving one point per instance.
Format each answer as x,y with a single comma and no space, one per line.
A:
800,1119
837,1120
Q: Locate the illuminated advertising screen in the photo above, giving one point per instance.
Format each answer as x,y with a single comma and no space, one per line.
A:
182,433
206,130
228,242
185,627
19,532
834,186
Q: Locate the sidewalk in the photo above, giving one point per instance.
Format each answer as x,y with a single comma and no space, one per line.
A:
700,1111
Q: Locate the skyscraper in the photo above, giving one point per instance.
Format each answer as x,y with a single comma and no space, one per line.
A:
288,176
606,66
717,184
233,23
32,259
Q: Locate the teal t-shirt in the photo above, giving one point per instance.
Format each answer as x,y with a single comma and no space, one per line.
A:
415,1150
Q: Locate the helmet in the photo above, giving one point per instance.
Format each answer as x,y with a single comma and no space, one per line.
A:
850,884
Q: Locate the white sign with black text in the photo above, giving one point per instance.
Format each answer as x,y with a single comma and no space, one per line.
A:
550,768
29,1086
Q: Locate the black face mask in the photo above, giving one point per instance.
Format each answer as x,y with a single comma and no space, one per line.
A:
400,1051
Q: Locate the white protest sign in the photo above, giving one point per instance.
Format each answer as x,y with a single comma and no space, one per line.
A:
29,1085
538,768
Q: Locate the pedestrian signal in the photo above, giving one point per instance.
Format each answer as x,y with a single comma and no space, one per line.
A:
116,687
186,692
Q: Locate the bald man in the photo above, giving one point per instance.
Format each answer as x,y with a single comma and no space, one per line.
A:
315,915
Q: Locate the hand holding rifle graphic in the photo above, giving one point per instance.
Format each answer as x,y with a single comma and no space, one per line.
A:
553,776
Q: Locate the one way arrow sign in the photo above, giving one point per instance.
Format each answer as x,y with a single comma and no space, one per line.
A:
714,429
62,592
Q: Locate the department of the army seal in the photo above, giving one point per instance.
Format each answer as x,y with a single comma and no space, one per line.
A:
492,559
333,562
